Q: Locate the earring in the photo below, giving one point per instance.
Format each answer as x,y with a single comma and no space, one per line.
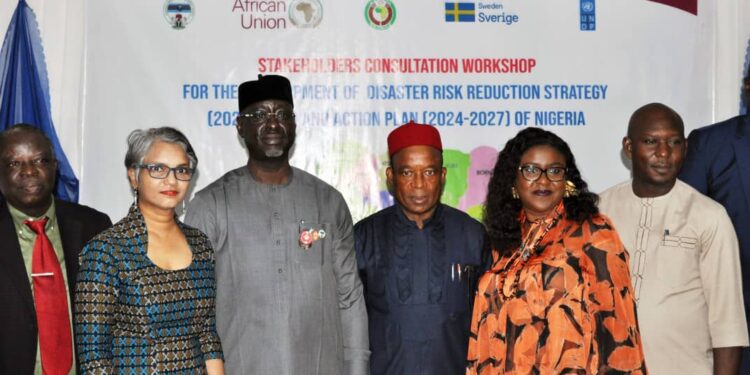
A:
135,196
570,189
514,193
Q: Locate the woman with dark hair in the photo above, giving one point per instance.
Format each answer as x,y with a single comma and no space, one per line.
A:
145,295
558,298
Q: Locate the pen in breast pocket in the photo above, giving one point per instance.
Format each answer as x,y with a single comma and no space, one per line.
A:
456,269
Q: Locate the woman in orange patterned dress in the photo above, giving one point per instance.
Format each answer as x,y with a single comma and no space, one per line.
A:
558,299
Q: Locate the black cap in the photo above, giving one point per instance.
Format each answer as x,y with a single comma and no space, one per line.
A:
265,88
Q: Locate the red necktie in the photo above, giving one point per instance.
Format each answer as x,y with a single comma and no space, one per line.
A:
51,301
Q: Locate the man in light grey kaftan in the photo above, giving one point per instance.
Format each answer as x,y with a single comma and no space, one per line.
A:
289,298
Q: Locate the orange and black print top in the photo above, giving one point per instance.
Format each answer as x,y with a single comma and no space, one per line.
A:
561,304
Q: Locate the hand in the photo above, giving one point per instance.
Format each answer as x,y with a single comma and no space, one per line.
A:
215,367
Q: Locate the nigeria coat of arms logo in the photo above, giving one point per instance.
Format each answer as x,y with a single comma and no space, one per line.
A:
179,13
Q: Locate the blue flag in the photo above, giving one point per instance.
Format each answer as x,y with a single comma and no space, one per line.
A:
460,12
24,90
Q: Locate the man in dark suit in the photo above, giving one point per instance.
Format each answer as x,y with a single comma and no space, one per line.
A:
35,228
718,165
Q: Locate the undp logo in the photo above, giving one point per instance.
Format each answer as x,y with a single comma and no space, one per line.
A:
588,15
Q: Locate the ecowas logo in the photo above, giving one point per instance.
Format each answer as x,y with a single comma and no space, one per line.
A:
380,14
179,13
479,12
306,13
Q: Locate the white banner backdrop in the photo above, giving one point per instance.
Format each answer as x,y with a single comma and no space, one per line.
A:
479,71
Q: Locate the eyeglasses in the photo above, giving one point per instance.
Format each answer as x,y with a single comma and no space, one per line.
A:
161,171
260,116
532,173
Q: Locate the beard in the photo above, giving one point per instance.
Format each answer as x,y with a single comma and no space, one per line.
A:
264,152
278,150
275,153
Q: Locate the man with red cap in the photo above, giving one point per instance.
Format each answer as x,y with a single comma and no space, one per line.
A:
288,298
419,261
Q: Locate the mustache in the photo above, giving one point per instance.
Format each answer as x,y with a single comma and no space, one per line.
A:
262,130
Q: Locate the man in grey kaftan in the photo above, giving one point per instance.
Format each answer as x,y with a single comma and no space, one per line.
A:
289,298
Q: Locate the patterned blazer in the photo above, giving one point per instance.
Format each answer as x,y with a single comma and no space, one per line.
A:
134,317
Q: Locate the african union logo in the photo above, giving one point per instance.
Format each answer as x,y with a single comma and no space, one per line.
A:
306,13
380,14
460,12
179,13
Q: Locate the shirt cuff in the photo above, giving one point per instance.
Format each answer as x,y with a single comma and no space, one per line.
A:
356,367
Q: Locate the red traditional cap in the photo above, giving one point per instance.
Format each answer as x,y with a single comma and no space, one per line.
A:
413,134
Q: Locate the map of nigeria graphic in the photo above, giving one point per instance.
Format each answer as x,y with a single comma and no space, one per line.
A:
357,168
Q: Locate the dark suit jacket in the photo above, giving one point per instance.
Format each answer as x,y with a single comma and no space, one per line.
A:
18,331
718,165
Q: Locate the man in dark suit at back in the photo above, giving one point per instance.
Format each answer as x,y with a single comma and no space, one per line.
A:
40,240
718,165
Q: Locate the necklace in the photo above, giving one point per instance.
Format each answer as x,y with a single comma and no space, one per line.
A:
522,255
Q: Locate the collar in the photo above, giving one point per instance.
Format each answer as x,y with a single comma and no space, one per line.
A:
558,211
652,199
742,128
19,217
437,216
132,225
246,172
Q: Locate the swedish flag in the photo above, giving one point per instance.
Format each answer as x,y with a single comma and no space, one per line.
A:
460,12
